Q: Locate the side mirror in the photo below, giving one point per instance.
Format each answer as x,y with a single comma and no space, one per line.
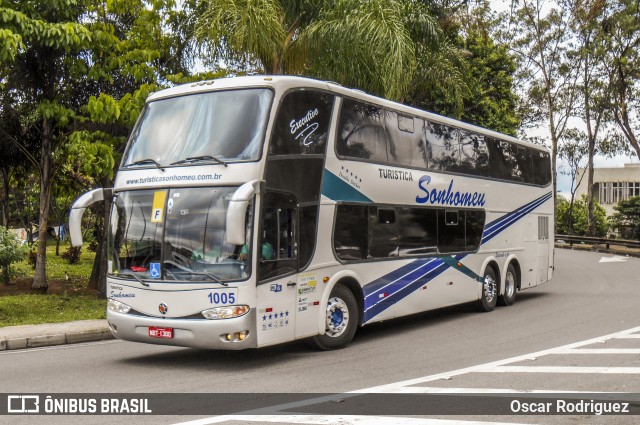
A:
235,234
77,210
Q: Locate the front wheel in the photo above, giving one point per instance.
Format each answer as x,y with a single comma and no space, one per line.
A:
341,320
489,298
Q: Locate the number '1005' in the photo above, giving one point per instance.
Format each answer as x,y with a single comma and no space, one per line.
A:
222,298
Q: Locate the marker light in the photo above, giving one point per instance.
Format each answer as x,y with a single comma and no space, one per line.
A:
226,312
118,307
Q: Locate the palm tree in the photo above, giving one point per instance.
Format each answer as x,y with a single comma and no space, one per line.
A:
373,45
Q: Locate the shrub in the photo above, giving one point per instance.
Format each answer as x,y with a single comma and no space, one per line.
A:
11,251
33,257
72,254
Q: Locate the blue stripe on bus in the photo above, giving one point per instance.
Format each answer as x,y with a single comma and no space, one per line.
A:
334,188
402,282
512,217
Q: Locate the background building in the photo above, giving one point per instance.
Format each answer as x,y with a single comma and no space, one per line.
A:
611,185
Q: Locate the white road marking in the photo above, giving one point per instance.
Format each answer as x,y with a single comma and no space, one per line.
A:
488,366
601,351
562,369
614,259
339,420
411,386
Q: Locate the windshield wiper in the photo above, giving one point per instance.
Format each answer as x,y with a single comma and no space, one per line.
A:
200,158
135,277
213,277
146,161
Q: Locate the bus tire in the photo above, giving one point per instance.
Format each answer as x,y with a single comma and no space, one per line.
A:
510,287
341,320
489,297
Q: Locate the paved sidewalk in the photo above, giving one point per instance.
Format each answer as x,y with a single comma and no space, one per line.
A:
32,336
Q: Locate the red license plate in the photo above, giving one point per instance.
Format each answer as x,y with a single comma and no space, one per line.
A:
156,332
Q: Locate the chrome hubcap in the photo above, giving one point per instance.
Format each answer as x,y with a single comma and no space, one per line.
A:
489,289
510,285
337,317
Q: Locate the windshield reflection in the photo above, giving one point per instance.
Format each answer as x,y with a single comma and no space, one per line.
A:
225,125
175,234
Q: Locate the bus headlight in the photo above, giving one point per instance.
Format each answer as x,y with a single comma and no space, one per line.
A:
118,307
226,312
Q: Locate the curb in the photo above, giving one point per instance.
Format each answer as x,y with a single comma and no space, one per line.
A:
57,339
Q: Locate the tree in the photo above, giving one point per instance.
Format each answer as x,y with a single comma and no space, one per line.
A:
137,48
547,75
11,251
588,52
52,41
578,217
627,216
573,152
370,45
621,42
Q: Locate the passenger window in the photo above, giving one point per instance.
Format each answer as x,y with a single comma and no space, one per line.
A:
351,232
418,231
541,167
406,145
451,232
474,156
443,150
383,233
361,132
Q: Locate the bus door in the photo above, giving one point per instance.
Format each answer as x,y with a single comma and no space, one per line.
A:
276,257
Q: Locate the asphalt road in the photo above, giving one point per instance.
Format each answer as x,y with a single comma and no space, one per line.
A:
586,299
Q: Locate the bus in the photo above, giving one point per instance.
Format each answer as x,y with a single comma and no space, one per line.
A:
251,211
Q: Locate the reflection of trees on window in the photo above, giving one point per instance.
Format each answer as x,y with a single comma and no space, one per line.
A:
362,132
504,164
406,141
523,159
541,167
474,157
442,146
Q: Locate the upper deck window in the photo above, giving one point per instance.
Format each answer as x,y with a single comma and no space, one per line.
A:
228,125
302,123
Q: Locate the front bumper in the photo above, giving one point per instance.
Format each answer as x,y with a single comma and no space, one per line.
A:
193,333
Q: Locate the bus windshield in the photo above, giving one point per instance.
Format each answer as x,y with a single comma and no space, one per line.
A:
175,235
217,126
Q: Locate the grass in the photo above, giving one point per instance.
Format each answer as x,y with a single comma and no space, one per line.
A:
29,309
56,266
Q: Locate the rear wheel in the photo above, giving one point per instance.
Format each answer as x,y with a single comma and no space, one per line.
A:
341,320
489,298
510,286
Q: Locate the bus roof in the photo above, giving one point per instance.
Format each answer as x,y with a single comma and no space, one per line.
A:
285,82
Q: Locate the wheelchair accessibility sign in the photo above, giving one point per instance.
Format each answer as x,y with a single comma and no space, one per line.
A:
154,271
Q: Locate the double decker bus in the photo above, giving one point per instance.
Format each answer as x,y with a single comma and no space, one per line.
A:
252,211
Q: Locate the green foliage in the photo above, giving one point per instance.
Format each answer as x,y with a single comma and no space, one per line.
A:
57,268
577,217
371,45
72,254
627,216
37,309
11,251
